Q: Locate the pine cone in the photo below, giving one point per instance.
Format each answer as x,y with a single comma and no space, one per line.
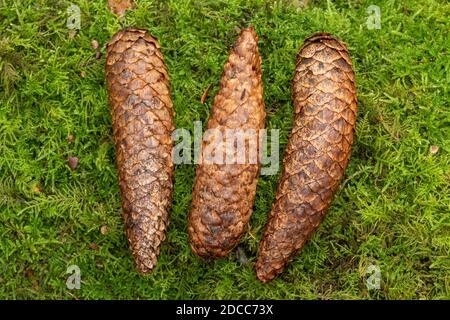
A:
223,194
318,150
142,117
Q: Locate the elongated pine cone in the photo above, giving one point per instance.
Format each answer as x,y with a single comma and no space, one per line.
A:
142,117
318,150
223,194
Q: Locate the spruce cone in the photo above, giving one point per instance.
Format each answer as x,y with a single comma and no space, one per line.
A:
318,150
223,194
142,114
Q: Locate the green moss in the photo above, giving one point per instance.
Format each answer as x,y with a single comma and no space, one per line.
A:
392,209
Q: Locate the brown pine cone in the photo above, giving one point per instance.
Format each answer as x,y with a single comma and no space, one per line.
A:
142,117
318,150
223,194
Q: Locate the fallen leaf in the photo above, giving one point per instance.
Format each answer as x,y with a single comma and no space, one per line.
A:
36,189
73,162
205,94
98,55
118,7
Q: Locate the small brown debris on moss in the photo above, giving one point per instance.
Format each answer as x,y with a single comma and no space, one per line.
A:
118,7
73,162
434,149
104,230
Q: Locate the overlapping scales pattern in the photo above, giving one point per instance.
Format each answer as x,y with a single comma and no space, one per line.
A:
223,194
318,150
142,116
